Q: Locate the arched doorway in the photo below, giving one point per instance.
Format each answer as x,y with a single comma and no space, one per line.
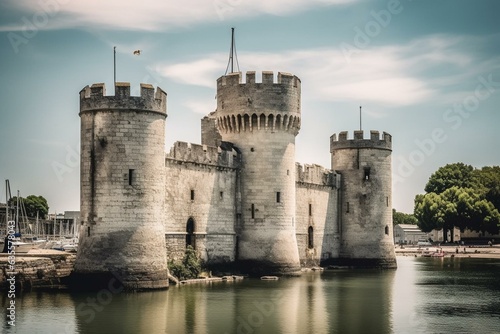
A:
190,237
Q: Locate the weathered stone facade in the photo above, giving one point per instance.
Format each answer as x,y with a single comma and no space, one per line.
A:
122,187
239,197
305,220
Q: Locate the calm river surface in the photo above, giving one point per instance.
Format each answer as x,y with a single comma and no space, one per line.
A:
424,295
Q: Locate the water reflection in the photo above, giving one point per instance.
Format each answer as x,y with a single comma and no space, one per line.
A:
122,312
41,312
424,295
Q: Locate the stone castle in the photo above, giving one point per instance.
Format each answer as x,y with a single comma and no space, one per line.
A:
237,198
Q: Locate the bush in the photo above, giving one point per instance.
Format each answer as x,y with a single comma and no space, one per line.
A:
189,267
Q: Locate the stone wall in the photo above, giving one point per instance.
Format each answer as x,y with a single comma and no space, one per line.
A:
38,270
201,183
316,212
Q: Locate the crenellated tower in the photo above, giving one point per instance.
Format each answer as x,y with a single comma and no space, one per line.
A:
366,199
262,120
122,189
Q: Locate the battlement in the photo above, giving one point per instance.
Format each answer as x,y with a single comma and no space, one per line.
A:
253,106
223,156
375,142
285,79
94,98
314,174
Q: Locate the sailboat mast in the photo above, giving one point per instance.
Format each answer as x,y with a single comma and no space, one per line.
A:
17,212
6,203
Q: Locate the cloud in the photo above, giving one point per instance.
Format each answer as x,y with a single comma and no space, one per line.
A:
147,15
199,106
393,75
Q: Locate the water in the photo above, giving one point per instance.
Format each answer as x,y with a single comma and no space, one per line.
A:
424,295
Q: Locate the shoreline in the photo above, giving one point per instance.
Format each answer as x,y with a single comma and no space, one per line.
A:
481,252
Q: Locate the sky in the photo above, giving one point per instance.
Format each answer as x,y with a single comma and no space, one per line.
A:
425,71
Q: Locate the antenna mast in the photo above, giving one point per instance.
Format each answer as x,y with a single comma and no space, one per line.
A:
232,55
114,66
360,128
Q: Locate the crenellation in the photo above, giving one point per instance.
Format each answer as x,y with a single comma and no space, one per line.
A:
122,90
98,90
250,79
267,77
94,99
374,135
375,142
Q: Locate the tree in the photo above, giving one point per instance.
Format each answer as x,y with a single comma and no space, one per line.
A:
489,177
403,218
457,174
460,196
32,204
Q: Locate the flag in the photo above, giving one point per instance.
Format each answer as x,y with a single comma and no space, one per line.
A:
137,52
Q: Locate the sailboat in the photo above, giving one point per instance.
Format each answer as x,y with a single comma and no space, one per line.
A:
28,242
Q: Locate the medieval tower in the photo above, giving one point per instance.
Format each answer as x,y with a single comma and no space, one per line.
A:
262,120
122,187
366,200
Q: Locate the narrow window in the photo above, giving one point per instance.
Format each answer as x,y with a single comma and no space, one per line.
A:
130,176
386,229
367,173
287,172
88,231
387,201
310,237
278,197
253,211
310,209
192,194
347,209
221,195
190,240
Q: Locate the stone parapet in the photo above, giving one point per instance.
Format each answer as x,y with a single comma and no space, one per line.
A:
342,141
94,98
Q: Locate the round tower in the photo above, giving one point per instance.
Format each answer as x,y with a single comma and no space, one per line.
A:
366,198
122,189
262,120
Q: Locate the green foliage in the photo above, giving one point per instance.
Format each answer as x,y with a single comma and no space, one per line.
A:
460,196
457,174
403,218
489,177
189,267
32,204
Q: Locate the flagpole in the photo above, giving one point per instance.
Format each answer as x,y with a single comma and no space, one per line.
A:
114,66
360,128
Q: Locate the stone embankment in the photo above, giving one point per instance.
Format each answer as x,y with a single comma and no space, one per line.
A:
472,251
37,269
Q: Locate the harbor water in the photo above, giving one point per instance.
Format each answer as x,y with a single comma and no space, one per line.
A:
424,295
